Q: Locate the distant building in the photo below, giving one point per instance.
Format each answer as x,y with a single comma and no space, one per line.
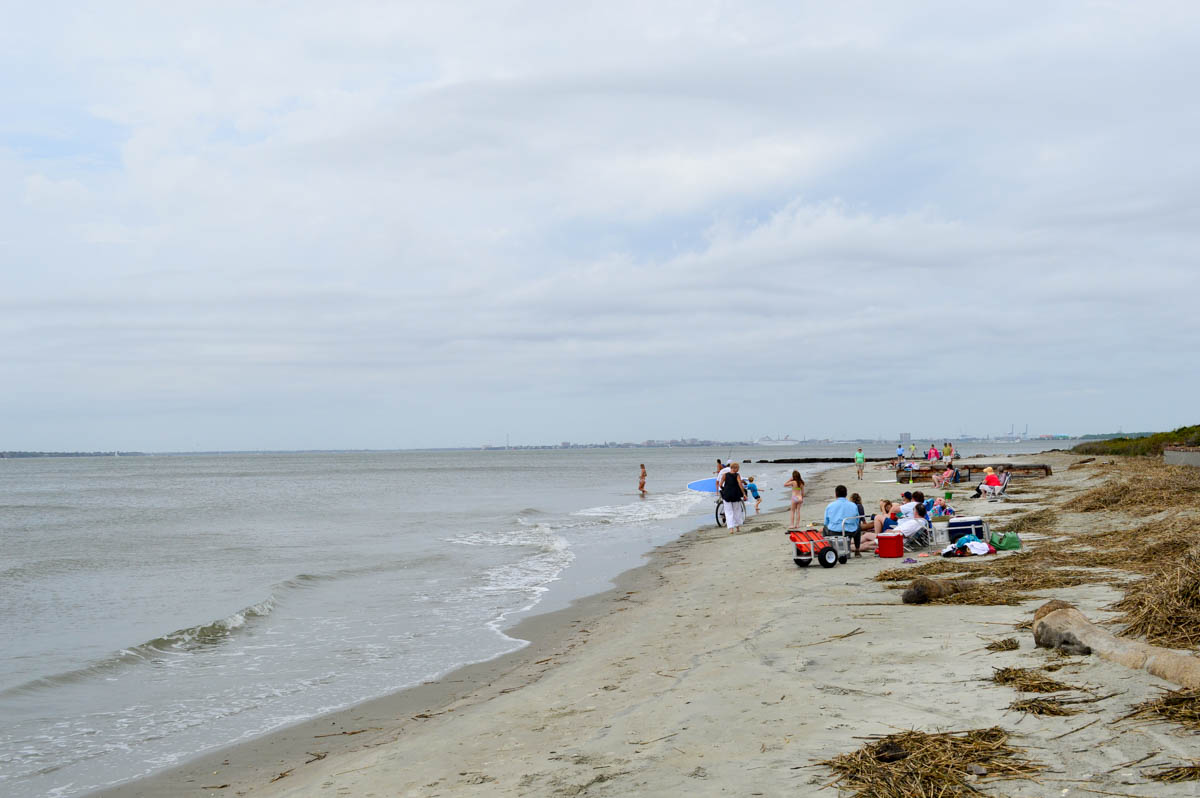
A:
905,437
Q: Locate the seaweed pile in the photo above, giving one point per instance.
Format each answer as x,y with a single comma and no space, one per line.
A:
1164,608
1144,487
914,763
1028,680
1173,706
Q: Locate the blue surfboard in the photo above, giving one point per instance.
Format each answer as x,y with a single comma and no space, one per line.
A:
704,485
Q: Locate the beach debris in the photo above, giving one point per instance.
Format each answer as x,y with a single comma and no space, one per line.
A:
317,756
369,728
1177,773
1143,486
1007,644
1173,706
1164,608
1027,680
851,633
1059,625
918,763
1030,521
1044,706
214,786
282,775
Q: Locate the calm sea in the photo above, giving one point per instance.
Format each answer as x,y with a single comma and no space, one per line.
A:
155,607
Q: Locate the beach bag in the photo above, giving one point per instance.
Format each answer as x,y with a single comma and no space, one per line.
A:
1009,541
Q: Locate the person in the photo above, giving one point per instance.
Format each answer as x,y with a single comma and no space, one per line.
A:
899,453
911,527
841,516
860,462
943,479
885,518
733,494
750,486
720,468
948,451
910,503
642,480
932,454
796,483
991,483
854,497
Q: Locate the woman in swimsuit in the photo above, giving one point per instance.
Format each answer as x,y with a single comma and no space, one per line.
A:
796,483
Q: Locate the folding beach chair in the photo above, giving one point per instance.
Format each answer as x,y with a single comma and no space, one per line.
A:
998,493
919,540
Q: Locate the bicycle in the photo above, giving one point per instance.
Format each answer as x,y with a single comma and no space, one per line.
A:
720,512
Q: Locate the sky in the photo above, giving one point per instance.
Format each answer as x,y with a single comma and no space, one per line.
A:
305,225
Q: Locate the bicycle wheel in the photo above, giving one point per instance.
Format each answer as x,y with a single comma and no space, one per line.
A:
720,514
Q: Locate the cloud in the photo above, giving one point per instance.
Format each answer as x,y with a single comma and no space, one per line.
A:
487,215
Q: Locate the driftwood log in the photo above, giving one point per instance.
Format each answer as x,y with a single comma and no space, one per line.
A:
1058,624
923,589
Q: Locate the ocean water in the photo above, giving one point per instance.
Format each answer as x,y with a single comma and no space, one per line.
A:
152,608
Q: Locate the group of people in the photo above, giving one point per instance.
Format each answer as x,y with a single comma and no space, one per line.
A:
909,516
932,454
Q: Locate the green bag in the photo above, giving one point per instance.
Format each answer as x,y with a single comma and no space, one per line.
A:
1009,541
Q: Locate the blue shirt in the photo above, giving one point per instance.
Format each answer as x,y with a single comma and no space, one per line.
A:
841,516
750,486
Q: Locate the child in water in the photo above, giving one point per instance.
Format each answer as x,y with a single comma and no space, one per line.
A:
750,486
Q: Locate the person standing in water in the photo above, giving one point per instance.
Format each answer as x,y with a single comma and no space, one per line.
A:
642,480
796,483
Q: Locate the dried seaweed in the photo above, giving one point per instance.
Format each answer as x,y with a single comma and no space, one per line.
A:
1007,644
1164,608
915,763
1143,486
1044,520
1173,706
1044,706
1028,681
1177,773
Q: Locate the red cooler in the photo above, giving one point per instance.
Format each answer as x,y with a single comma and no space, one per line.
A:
891,545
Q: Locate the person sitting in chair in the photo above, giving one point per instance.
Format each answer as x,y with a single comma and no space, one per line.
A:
991,483
842,517
913,528
943,479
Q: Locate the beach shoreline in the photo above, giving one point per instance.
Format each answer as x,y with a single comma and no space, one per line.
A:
719,667
242,765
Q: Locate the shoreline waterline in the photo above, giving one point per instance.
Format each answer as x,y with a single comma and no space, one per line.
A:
379,720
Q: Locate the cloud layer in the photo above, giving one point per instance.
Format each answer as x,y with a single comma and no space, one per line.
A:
381,225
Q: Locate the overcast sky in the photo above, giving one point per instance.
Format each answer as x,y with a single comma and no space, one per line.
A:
377,225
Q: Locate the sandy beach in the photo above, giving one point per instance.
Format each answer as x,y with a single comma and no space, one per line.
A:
721,668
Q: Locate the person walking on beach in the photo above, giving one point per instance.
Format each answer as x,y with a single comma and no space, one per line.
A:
860,462
642,480
733,494
912,451
750,486
796,483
